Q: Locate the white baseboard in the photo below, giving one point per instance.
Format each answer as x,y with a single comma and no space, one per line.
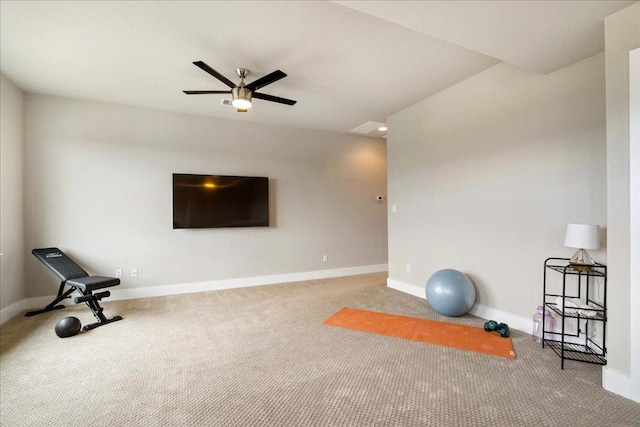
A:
22,305
617,382
13,310
213,285
407,288
513,320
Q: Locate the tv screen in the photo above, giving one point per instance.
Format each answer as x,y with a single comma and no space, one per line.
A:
216,201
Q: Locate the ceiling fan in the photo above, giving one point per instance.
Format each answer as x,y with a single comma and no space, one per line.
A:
242,94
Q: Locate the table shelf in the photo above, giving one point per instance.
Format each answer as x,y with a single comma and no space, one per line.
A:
579,278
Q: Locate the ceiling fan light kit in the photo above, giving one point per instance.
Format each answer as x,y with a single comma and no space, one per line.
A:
241,98
241,94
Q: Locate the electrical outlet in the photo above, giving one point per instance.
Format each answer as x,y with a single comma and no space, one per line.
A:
119,273
134,272
325,258
408,268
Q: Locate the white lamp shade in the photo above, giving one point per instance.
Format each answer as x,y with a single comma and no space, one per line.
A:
582,236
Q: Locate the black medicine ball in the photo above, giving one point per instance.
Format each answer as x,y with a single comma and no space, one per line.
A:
68,327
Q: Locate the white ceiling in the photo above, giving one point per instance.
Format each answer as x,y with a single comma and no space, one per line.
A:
347,63
541,36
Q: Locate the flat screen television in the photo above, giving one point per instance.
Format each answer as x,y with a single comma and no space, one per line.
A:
218,201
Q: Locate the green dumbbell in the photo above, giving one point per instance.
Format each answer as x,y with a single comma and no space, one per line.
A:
490,326
502,328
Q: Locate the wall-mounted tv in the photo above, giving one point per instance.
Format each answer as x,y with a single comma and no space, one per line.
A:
217,201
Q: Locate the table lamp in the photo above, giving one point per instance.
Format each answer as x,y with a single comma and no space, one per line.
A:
582,237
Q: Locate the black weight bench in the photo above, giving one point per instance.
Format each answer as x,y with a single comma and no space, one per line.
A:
72,275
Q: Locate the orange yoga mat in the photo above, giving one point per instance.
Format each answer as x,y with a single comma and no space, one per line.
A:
429,331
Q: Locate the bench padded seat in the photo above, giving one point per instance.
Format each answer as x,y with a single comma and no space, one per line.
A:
91,283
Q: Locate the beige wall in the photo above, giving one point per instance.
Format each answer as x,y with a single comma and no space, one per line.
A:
622,34
634,196
11,190
98,186
486,175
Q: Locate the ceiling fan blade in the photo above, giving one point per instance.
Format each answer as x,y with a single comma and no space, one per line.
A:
266,80
204,92
214,73
274,98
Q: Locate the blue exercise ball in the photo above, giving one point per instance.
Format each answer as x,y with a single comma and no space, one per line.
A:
450,292
68,327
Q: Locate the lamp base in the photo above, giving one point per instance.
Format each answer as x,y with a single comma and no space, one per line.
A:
582,261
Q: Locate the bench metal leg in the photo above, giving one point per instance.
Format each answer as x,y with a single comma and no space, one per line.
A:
92,302
52,306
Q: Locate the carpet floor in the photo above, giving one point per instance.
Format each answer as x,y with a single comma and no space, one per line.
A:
261,356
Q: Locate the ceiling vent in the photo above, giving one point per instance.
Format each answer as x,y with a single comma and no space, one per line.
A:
226,103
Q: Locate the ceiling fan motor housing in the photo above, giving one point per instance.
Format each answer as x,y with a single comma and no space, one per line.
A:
240,92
